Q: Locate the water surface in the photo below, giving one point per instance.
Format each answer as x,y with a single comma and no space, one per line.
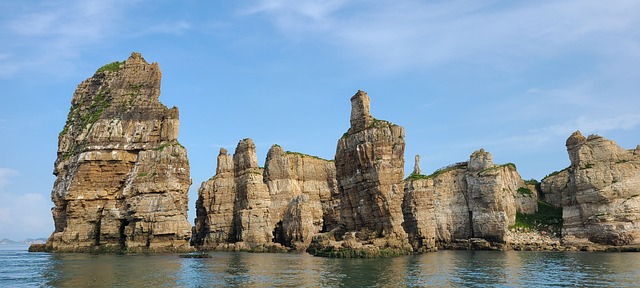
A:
19,268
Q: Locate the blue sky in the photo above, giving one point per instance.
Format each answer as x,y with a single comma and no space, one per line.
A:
513,77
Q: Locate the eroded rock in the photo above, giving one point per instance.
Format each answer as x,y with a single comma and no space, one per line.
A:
245,207
474,199
122,177
602,201
369,170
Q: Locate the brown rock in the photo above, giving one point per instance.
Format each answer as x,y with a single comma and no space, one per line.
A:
491,194
369,170
286,203
289,175
555,185
215,206
602,202
122,177
251,220
474,199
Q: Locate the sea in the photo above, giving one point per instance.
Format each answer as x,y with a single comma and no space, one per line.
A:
19,268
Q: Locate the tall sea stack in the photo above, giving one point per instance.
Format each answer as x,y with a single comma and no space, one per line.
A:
369,170
122,176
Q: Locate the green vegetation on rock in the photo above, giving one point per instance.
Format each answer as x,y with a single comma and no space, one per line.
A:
306,155
111,67
554,173
524,191
548,218
417,177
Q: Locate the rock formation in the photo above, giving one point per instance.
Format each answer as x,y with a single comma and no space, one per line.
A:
553,186
301,186
602,201
122,177
215,206
492,190
474,199
416,166
251,221
369,170
245,207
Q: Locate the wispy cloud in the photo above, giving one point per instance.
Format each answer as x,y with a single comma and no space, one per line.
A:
19,223
54,34
5,175
418,33
543,137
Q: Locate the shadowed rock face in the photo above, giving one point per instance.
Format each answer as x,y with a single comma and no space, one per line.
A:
246,207
122,177
602,200
553,187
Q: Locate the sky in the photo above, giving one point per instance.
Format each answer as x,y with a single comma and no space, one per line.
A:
513,77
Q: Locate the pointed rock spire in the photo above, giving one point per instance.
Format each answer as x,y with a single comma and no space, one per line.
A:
416,166
360,111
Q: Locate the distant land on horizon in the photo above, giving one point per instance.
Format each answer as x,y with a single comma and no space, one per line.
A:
28,241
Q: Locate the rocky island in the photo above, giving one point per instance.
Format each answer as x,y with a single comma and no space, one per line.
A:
122,182
122,177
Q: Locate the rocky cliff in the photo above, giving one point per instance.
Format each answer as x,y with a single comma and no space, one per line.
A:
369,170
474,199
215,206
601,203
245,207
553,186
122,177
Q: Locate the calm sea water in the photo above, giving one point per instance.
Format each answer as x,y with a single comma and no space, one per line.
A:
19,268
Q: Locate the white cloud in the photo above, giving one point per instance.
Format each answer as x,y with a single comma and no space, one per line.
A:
550,135
22,215
50,36
413,34
25,216
5,175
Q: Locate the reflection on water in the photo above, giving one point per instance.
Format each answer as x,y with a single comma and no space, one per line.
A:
19,268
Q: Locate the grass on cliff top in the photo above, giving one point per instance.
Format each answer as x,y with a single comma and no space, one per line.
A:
459,165
525,191
306,155
547,216
554,173
417,177
112,67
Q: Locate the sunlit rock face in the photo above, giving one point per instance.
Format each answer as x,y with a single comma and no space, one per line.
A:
280,206
369,171
474,199
601,203
122,177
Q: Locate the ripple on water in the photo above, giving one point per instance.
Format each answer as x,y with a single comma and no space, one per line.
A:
18,268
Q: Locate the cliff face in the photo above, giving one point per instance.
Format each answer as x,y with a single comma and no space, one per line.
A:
602,201
492,190
304,196
370,170
474,199
245,207
436,208
554,186
122,177
215,206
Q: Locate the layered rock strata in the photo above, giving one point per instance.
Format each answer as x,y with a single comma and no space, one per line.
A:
474,199
369,170
553,186
602,201
122,177
245,207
